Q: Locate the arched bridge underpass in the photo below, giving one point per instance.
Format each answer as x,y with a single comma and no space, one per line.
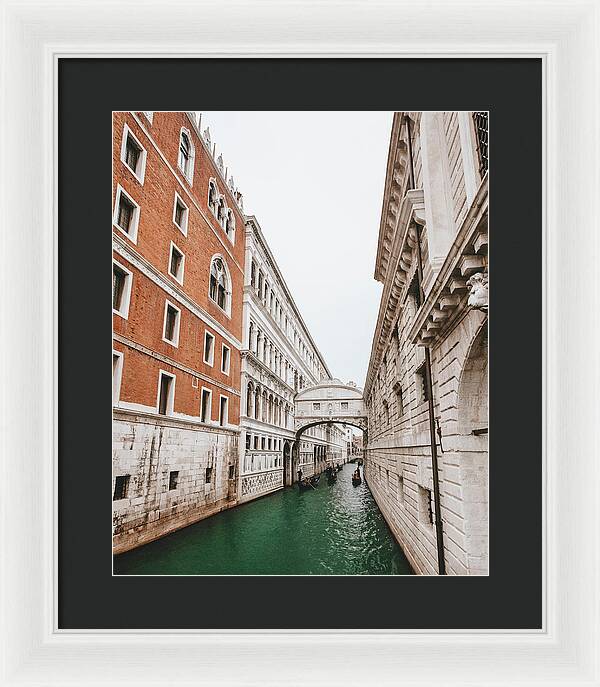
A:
330,401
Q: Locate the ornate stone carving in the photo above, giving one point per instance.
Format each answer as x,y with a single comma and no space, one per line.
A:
207,136
478,291
220,164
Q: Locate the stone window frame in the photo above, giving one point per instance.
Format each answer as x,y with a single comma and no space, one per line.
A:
171,398
208,407
139,173
123,311
211,360
223,348
117,376
187,173
173,480
223,418
228,285
177,278
175,341
178,199
133,229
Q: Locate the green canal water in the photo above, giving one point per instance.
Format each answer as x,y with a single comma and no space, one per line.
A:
330,530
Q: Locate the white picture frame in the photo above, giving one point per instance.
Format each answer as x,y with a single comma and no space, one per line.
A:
564,34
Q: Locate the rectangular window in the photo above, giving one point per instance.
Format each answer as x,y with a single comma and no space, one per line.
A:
176,263
231,474
173,479
127,214
344,405
255,443
225,359
208,475
209,348
223,410
400,489
171,324
205,405
262,443
425,506
166,388
122,279
133,154
316,406
180,215
121,487
248,441
399,398
117,372
421,384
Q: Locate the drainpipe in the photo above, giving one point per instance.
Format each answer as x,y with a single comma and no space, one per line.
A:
439,529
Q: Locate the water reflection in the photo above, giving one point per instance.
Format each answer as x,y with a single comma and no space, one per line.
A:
331,530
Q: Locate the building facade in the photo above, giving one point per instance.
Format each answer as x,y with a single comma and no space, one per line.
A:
279,359
430,342
178,279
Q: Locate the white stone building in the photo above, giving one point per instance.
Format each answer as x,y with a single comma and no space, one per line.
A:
432,261
279,358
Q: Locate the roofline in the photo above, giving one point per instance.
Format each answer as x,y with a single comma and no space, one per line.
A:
251,219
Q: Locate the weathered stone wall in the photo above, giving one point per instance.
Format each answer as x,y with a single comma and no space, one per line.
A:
398,468
433,238
149,449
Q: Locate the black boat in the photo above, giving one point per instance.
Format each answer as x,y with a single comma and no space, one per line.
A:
356,481
314,480
304,484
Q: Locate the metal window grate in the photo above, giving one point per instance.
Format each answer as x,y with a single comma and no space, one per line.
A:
481,122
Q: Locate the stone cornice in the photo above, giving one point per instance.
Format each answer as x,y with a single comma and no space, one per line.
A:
447,298
170,421
401,264
395,182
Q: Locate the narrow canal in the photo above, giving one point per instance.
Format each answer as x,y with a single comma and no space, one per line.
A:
331,530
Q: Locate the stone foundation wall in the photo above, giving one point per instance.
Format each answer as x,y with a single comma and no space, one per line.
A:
148,449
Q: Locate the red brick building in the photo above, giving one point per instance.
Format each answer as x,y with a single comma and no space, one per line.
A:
178,259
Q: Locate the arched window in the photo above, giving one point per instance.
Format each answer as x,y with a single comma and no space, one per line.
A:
186,155
257,403
249,398
264,405
212,196
230,225
221,211
219,290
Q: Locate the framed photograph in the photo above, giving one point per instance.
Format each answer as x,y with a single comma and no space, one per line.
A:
344,440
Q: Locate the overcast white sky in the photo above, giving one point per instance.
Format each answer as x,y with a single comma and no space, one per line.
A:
315,180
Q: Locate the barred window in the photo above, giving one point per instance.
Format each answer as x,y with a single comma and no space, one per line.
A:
481,122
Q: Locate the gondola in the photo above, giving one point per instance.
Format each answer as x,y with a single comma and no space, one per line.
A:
356,480
314,480
305,484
